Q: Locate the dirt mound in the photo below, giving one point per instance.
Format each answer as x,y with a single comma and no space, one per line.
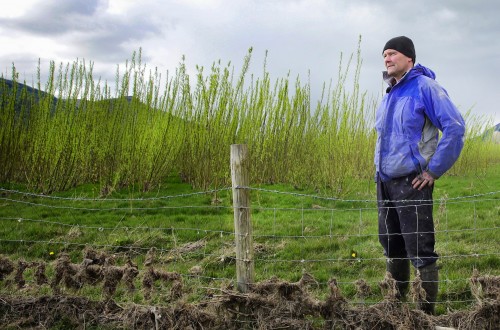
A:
77,312
271,304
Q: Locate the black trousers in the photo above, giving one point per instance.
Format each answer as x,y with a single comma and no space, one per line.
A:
405,223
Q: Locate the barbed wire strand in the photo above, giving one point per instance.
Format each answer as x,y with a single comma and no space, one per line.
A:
211,191
219,231
130,208
106,199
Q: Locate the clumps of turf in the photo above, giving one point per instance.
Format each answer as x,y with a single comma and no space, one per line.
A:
152,275
269,304
6,267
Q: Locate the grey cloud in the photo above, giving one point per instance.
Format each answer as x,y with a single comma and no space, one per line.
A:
55,17
86,26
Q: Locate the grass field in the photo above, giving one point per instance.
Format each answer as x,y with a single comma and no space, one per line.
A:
294,231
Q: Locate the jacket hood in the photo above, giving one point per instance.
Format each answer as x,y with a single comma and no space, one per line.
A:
422,70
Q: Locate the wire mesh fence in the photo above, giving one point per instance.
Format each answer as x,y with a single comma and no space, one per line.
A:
193,235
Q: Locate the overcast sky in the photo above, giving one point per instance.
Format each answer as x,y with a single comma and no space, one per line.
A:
458,39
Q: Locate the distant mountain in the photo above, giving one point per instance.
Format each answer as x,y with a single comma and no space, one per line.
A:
7,85
26,96
111,101
33,95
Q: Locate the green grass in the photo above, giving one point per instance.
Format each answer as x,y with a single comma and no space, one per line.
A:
294,231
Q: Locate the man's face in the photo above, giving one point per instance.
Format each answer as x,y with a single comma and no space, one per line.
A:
396,63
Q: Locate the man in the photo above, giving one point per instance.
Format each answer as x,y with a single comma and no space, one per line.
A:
409,157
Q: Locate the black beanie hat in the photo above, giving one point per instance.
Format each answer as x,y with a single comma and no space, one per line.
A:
403,45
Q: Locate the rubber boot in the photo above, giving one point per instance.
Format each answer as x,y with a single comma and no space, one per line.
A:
400,271
430,283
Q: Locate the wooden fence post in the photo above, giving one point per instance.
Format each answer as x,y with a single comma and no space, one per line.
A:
242,222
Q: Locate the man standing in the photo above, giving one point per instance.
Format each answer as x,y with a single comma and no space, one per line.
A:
409,157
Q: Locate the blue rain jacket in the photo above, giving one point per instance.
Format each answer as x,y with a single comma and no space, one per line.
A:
407,124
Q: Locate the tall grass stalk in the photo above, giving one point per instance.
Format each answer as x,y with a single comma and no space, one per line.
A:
153,127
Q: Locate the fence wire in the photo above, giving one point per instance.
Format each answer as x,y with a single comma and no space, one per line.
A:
322,235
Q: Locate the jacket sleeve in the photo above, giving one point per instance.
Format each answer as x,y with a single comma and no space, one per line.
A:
446,117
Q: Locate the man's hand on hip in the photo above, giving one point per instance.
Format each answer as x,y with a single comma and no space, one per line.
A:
422,180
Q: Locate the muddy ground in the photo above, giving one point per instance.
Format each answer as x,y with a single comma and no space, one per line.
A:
271,304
